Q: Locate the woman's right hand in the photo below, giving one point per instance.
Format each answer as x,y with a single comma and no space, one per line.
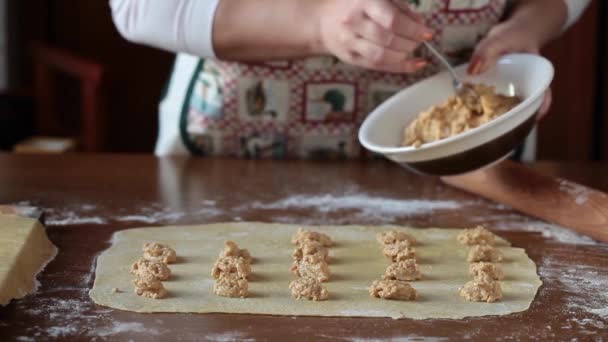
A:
377,34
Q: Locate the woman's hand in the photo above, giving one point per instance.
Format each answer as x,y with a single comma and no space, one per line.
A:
379,34
502,39
522,32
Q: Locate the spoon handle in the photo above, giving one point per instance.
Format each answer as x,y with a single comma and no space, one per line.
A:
442,59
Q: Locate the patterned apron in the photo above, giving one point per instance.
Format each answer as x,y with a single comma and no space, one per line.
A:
312,108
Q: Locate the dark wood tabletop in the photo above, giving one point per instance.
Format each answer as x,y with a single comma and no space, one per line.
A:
88,197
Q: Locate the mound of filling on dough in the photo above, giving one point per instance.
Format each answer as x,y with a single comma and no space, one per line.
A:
308,288
231,264
484,253
148,286
405,270
231,285
159,270
311,267
457,115
231,270
477,236
311,248
481,291
158,252
399,251
231,249
394,236
302,235
392,289
485,271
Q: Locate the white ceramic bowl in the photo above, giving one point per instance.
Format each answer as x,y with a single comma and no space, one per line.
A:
526,75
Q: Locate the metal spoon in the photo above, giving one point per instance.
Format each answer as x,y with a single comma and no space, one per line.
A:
463,90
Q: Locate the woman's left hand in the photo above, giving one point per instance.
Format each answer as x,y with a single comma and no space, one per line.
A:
544,108
503,39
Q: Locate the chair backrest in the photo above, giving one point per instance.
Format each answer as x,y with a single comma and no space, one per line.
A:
50,61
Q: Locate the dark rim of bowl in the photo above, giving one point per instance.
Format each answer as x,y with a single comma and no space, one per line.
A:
476,157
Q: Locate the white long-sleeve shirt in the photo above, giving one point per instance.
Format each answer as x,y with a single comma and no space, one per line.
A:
175,25
187,25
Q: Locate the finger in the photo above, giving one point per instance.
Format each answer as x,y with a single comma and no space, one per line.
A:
405,8
491,48
544,108
377,55
393,19
408,66
486,54
375,33
474,65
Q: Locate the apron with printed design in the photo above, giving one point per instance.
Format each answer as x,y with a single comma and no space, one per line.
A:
312,108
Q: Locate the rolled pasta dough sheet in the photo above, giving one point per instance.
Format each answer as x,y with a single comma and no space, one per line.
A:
356,261
24,252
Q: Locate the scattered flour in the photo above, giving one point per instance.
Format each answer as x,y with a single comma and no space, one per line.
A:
87,279
366,204
91,214
78,317
65,315
25,339
88,207
574,279
602,312
548,230
345,208
228,337
126,327
363,209
157,214
23,204
72,218
61,331
152,217
580,193
362,312
411,338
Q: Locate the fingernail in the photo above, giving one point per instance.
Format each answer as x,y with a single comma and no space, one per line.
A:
419,18
475,67
479,67
428,35
421,64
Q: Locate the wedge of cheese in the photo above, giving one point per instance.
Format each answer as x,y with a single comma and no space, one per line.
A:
25,250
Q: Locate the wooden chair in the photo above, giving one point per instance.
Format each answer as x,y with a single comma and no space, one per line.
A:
48,63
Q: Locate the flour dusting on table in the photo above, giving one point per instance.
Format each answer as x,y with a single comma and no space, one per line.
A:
126,327
335,208
575,279
70,218
228,337
410,338
92,214
368,204
580,193
78,317
548,230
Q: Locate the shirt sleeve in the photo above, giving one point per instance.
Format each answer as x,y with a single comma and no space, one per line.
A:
173,25
575,10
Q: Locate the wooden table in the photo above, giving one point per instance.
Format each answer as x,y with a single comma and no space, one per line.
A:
88,197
